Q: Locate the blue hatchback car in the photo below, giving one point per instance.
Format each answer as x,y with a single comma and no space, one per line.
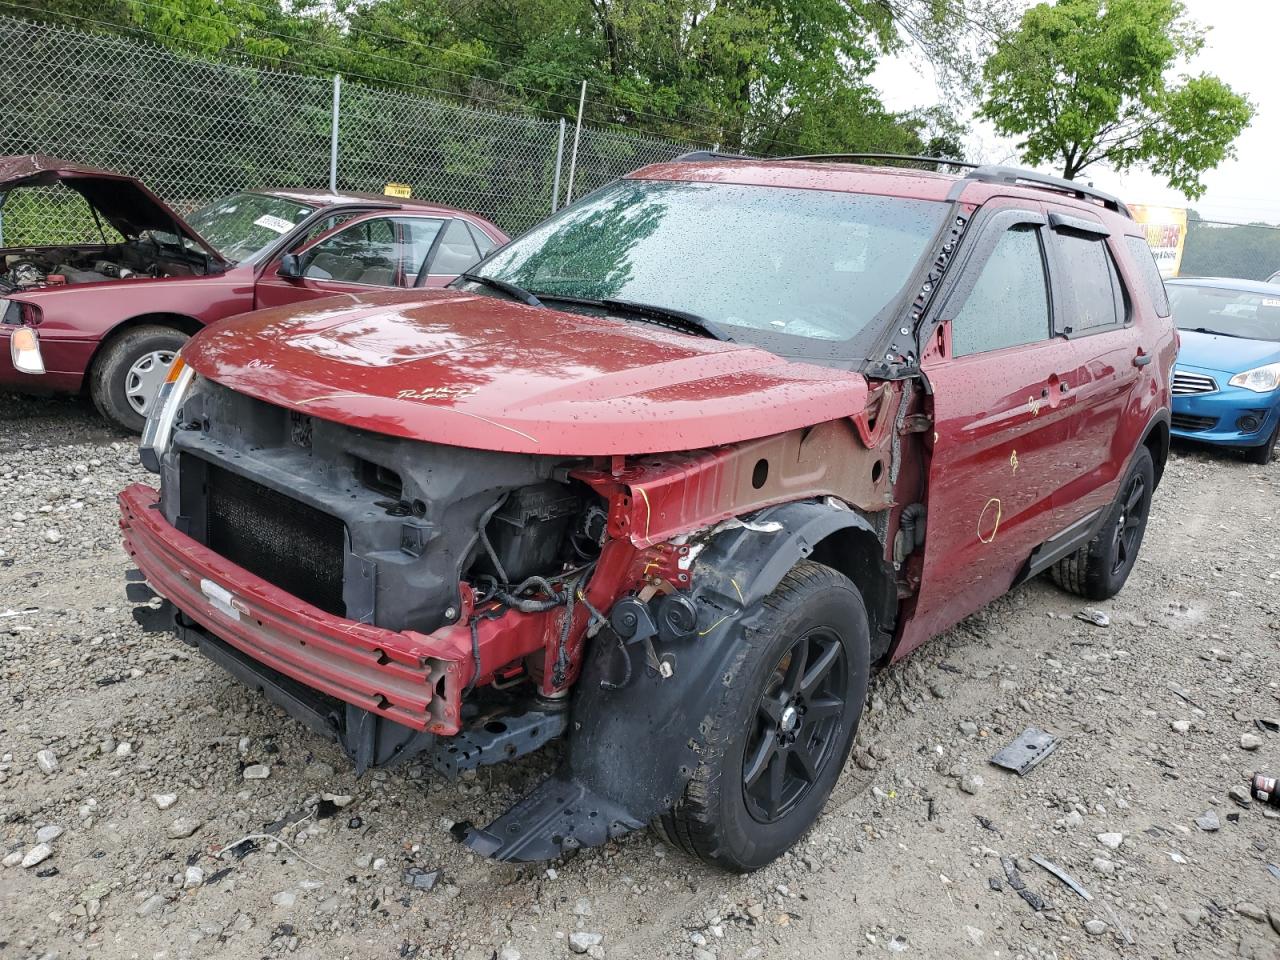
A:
1226,384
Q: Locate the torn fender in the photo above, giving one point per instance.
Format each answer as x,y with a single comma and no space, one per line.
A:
640,713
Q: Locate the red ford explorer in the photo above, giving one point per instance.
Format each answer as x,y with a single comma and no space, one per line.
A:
668,477
108,316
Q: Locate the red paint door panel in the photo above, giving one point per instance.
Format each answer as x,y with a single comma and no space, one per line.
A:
1002,422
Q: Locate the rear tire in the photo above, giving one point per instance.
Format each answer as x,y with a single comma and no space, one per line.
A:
780,734
1099,569
129,369
1267,451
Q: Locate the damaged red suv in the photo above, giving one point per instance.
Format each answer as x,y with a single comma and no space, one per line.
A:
106,314
667,477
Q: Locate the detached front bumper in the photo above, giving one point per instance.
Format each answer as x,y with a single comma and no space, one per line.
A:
409,678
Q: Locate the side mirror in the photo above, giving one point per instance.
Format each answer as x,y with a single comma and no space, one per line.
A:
290,267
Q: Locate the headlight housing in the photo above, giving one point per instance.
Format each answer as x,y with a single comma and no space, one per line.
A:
1260,379
158,432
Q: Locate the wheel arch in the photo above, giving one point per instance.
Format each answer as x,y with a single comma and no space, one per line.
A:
1157,439
758,555
179,321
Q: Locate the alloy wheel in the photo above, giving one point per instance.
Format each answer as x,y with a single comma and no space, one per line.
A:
795,727
1133,512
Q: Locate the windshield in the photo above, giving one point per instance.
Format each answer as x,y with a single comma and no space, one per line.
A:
1236,313
243,226
801,272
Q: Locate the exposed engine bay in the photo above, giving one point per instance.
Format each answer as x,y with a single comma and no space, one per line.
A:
37,267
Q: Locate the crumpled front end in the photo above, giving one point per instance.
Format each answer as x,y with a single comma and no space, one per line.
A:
408,598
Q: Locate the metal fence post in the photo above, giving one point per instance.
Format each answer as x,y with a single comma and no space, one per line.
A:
555,185
577,132
333,133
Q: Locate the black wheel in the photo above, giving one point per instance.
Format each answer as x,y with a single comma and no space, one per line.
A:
1099,569
1267,451
129,371
784,727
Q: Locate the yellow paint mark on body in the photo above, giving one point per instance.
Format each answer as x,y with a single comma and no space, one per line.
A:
992,512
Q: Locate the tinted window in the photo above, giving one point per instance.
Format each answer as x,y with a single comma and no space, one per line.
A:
1009,304
778,266
366,252
1149,274
1092,277
457,251
1235,313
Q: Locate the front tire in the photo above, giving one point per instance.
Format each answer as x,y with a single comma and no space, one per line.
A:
129,371
1099,569
782,730
1264,454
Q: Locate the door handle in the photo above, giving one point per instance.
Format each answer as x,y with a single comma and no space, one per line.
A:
1142,358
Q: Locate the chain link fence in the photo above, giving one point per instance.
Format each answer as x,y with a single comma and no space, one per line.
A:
1215,249
195,129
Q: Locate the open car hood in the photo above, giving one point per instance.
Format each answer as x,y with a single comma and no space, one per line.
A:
472,370
120,200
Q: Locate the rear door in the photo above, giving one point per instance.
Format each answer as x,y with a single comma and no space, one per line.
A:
1105,362
456,250
1002,419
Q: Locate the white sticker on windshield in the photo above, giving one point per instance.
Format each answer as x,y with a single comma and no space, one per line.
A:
1270,302
277,224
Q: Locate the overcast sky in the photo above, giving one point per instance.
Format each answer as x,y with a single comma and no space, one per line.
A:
1243,48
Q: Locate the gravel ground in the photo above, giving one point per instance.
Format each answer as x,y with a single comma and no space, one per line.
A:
153,758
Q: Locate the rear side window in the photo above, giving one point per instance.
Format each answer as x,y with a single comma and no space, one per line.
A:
482,239
1009,304
1099,299
456,252
1149,274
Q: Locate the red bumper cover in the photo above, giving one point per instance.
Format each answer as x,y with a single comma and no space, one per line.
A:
412,678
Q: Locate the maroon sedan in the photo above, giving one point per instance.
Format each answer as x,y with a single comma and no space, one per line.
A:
108,317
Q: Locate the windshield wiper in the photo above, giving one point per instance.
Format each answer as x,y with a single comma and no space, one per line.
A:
502,286
1217,333
666,316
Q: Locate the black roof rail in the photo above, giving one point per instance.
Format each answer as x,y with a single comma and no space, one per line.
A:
942,161
695,156
1015,176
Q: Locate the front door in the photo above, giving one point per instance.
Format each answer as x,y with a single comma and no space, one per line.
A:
356,257
1002,419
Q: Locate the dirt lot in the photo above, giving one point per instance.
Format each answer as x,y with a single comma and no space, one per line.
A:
1156,713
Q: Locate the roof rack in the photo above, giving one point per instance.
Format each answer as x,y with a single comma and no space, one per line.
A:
1015,176
694,156
941,161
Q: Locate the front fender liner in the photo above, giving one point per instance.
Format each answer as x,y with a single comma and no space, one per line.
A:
634,745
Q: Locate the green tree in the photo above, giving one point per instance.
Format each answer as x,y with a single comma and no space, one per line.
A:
756,75
1085,82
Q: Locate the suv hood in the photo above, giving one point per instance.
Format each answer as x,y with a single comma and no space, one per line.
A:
472,370
119,200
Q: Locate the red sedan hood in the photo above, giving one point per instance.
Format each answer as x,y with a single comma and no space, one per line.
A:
476,371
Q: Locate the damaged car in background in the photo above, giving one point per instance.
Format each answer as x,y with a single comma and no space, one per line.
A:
107,315
667,478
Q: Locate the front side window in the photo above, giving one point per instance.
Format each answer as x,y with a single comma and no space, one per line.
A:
244,226
367,252
1009,303
1092,277
1230,313
797,271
